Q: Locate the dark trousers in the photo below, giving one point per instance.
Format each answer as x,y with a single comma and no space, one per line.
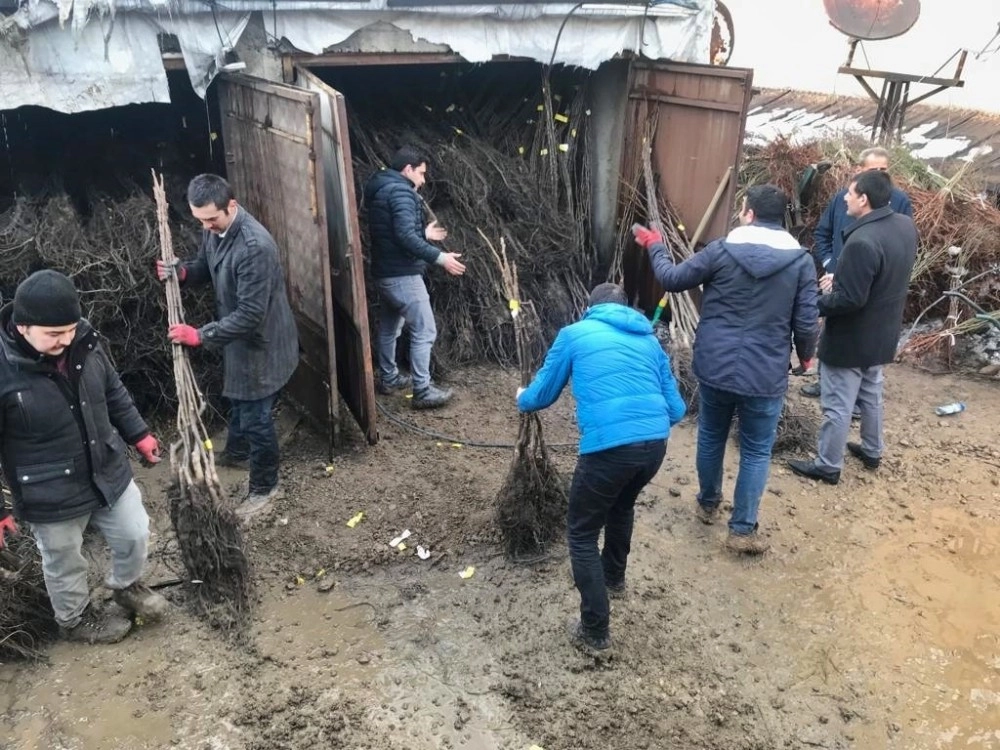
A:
252,437
602,495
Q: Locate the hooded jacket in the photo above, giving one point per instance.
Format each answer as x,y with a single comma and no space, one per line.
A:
63,437
759,295
396,223
624,389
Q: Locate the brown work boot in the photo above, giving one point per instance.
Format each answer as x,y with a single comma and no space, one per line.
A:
142,601
750,544
97,627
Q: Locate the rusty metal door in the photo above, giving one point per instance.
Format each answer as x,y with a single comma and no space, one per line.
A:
271,134
350,305
699,113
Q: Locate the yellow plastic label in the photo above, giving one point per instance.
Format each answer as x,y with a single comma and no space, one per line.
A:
468,572
564,147
543,152
355,520
561,118
208,444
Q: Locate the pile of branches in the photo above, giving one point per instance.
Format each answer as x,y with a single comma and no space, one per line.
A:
109,251
508,157
207,529
959,232
532,502
26,619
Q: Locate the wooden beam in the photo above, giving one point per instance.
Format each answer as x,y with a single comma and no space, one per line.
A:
331,59
650,96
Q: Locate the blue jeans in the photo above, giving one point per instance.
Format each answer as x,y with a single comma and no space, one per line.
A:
758,424
403,300
252,437
602,495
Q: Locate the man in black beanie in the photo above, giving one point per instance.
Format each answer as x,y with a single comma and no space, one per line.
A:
65,419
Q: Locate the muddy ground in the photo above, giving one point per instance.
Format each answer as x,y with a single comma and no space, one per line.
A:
874,622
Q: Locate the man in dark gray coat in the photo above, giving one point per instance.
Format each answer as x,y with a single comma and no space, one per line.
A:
255,328
758,292
65,419
863,307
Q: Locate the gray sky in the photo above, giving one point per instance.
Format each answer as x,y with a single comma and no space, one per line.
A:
807,57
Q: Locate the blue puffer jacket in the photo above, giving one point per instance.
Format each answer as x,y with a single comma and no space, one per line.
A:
758,296
624,389
396,223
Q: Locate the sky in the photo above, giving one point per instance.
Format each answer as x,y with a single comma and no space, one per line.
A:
791,44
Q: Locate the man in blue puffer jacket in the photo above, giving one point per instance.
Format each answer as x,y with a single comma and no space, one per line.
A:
759,291
401,252
626,402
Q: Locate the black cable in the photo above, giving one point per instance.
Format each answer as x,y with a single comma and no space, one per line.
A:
400,422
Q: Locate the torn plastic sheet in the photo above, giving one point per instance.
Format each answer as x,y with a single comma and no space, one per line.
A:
110,62
108,53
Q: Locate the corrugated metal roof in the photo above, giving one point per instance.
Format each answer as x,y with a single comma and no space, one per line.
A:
933,133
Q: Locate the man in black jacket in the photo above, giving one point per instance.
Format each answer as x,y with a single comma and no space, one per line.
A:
863,307
401,252
65,419
255,329
758,292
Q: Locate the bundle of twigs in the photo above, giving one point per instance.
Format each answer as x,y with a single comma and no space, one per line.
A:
26,620
208,531
531,504
108,248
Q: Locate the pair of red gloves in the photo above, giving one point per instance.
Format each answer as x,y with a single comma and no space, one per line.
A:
148,447
179,333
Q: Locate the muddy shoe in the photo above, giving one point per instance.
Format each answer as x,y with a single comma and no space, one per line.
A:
398,383
812,390
583,640
258,501
142,601
871,462
431,397
97,627
616,590
707,515
224,459
810,470
749,544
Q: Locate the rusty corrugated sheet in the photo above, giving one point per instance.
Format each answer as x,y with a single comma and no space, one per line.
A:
967,134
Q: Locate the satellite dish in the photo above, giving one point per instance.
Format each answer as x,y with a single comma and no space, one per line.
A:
872,19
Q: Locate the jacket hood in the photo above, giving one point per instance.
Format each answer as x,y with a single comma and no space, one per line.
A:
621,317
762,250
382,178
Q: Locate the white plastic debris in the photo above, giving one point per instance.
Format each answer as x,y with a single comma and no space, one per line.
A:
398,540
423,553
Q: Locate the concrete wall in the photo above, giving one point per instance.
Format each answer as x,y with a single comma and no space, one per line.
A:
608,95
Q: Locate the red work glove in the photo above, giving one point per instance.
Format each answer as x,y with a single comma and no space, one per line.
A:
187,335
646,237
164,270
7,526
149,448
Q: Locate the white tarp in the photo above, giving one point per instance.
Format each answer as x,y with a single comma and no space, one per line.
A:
111,61
77,55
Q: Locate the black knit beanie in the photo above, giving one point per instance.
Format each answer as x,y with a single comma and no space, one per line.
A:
46,298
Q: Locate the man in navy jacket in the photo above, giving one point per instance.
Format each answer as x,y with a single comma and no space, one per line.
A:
401,252
626,402
759,291
829,235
